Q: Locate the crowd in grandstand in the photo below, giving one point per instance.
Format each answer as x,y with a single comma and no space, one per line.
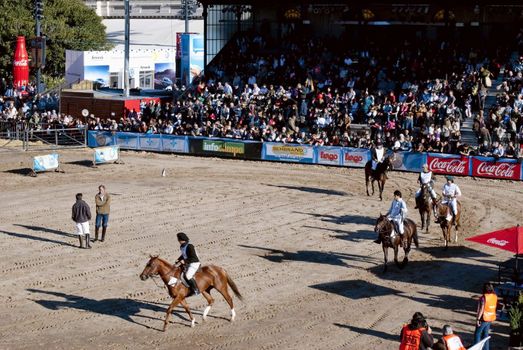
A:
309,91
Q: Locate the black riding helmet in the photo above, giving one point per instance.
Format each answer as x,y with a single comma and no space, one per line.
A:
182,237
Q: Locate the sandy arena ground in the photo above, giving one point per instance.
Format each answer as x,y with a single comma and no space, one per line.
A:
296,239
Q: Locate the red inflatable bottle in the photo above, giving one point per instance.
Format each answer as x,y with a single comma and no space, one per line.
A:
20,64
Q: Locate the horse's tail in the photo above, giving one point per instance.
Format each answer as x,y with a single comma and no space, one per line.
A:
233,286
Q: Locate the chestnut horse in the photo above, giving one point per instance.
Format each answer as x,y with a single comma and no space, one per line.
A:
384,229
424,203
442,211
380,175
207,278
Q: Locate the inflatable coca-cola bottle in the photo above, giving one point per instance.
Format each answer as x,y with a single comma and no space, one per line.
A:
20,64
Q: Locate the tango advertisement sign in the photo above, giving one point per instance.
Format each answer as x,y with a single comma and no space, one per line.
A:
355,157
487,167
329,155
288,153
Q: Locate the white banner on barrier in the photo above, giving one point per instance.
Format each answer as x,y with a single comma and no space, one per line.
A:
151,142
330,156
107,154
46,162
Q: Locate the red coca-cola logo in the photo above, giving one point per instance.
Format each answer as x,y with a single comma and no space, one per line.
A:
353,158
448,165
499,170
20,63
329,156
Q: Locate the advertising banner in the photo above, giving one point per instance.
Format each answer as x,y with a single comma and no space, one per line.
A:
288,153
355,157
128,140
225,148
500,169
151,142
97,74
448,164
109,154
408,161
192,57
164,75
177,144
100,138
46,162
328,155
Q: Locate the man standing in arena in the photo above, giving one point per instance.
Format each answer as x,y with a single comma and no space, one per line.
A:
103,202
81,214
486,314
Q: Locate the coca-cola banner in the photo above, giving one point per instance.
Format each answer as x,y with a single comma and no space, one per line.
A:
448,164
355,157
501,169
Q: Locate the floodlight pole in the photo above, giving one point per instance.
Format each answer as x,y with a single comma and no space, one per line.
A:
186,16
126,54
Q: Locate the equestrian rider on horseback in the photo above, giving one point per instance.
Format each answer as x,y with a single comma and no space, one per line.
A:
377,154
425,178
450,193
189,259
397,214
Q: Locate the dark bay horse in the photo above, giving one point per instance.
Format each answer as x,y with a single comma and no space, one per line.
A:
424,203
384,229
207,278
380,175
442,210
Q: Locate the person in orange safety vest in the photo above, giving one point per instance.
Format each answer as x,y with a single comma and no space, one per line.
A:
486,314
451,340
416,335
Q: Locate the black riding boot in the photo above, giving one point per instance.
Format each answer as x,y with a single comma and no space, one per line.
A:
87,241
104,229
194,287
96,230
80,237
378,241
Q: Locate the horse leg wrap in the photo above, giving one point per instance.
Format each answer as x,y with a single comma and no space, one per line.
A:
233,315
206,311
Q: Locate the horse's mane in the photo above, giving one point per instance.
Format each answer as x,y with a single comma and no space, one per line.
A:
165,262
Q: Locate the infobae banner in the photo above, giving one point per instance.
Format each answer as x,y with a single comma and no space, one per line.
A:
496,169
288,153
192,57
448,164
45,162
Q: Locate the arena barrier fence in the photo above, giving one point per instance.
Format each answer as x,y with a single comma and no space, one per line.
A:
503,168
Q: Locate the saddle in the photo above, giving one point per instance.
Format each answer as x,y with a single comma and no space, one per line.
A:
173,280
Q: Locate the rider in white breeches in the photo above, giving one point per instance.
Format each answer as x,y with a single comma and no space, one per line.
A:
450,193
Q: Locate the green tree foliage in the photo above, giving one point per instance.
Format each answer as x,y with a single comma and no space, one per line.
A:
68,25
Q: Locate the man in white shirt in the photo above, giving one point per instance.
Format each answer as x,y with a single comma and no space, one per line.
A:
397,214
451,192
425,178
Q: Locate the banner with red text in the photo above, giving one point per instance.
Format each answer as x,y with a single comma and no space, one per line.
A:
448,164
500,169
355,157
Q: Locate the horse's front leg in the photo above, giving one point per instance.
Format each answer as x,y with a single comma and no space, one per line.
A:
380,188
188,310
372,184
422,215
396,250
367,184
175,302
385,256
428,220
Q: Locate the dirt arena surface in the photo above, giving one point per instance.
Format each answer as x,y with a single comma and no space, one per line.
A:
296,239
